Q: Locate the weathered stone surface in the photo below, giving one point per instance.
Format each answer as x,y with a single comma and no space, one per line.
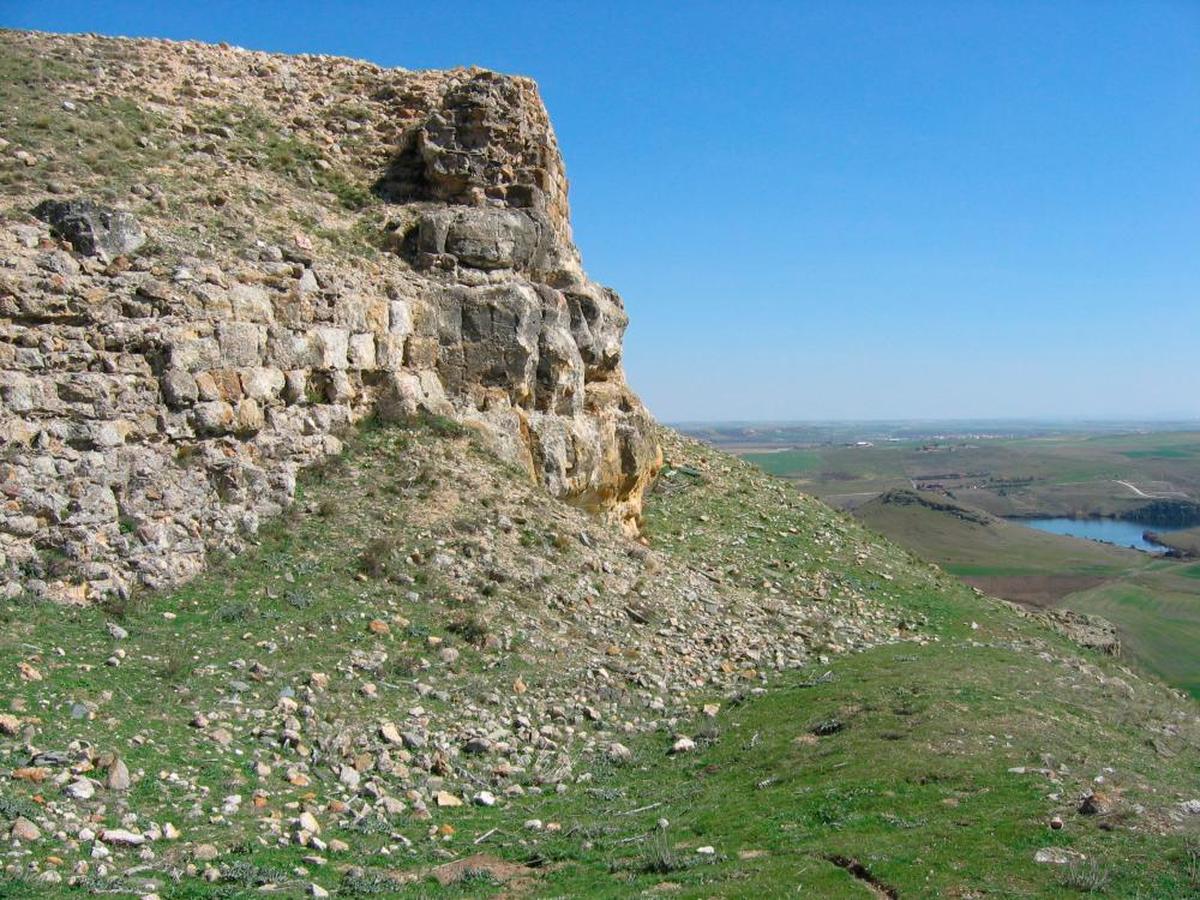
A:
157,407
482,238
92,229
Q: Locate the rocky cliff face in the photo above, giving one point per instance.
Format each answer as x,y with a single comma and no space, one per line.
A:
213,260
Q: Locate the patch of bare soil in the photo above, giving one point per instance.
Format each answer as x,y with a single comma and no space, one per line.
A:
513,876
1033,590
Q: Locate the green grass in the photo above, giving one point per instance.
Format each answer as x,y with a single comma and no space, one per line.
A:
909,780
259,141
1159,627
786,462
1188,452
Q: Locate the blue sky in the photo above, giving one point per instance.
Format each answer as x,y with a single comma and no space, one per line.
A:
839,210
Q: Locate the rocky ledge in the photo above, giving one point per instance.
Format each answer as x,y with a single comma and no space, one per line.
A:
184,328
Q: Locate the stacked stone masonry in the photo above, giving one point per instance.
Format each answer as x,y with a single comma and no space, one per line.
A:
155,407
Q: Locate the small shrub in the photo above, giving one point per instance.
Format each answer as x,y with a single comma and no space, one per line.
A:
367,882
121,608
441,426
251,874
14,807
379,557
1191,861
405,665
177,665
328,508
1086,876
827,727
476,875
709,734
660,858
350,194
469,628
238,611
298,599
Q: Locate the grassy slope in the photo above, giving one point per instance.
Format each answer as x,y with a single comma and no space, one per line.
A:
1187,541
914,784
1155,603
995,548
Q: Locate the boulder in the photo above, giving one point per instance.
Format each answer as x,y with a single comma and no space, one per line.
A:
480,238
91,228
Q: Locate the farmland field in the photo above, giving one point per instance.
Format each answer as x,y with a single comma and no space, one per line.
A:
1067,475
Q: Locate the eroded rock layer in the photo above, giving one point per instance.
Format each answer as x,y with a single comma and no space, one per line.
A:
241,254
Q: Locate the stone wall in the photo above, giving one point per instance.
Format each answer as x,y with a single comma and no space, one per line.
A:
155,405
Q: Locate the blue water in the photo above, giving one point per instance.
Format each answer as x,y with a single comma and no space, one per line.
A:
1111,531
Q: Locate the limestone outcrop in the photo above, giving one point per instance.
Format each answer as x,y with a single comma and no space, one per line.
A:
273,249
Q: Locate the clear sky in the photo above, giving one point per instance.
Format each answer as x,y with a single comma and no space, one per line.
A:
838,210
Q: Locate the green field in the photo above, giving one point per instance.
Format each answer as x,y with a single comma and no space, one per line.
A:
1159,627
787,462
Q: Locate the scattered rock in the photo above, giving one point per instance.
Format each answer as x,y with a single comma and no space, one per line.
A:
308,822
1096,803
122,837
80,789
1058,856
25,831
118,778
683,744
619,754
390,733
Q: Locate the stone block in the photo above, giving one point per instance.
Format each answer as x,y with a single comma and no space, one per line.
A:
213,417
262,382
241,343
362,351
332,346
178,388
190,351
251,303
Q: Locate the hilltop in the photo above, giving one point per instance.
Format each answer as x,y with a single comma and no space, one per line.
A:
218,259
459,617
